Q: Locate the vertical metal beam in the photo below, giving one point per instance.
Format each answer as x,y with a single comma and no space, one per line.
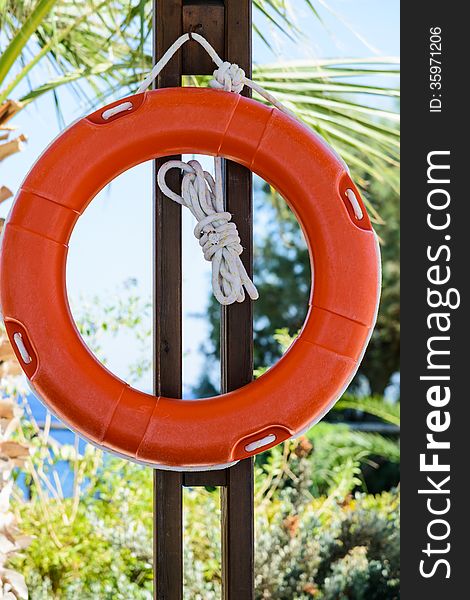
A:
168,509
237,341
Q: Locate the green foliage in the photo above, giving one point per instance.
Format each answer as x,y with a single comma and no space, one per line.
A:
347,551
202,545
337,459
123,311
96,46
342,544
383,355
98,543
388,412
98,547
338,98
337,446
96,41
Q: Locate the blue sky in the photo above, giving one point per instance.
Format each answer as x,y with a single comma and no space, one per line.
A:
112,241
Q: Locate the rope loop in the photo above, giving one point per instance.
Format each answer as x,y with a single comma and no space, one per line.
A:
215,231
227,76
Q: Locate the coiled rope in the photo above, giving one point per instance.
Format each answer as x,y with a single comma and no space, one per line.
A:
217,235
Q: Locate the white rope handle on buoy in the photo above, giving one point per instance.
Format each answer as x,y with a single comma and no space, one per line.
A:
203,194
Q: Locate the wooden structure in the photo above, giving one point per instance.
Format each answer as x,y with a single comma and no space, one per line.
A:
227,26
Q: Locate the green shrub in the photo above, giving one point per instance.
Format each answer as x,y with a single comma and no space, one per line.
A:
98,543
99,547
331,548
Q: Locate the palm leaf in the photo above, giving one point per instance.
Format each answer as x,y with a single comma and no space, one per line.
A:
22,35
377,407
338,98
81,35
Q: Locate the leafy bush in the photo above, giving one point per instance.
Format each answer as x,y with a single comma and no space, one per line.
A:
96,544
339,543
330,551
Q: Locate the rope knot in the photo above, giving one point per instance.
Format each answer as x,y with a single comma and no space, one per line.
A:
215,231
213,237
229,77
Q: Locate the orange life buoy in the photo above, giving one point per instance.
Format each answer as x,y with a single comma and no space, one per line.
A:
293,394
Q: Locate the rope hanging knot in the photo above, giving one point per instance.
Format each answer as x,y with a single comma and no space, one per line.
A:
217,234
228,77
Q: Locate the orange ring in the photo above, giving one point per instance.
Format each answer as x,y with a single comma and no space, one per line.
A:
293,394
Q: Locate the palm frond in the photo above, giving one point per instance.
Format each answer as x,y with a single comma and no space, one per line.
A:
336,446
280,14
377,407
73,37
21,35
81,36
350,102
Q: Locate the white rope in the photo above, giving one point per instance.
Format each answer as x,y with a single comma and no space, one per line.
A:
217,235
203,194
229,77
